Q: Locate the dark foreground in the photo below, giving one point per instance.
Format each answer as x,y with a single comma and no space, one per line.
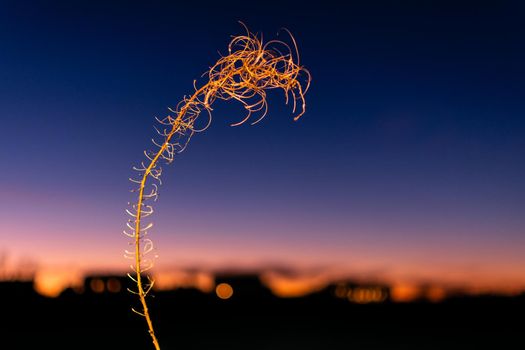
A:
190,320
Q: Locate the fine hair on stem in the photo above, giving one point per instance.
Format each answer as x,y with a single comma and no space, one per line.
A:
250,68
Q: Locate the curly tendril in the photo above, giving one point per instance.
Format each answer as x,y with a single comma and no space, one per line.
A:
250,68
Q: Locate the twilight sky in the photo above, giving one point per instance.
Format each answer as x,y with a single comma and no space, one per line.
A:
407,166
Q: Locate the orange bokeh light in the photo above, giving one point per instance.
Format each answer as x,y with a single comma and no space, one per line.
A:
97,285
113,285
224,291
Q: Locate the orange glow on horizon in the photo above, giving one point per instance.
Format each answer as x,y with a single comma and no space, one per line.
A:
435,294
51,282
405,292
200,280
293,287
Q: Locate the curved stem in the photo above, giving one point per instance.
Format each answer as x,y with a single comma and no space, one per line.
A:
138,256
243,75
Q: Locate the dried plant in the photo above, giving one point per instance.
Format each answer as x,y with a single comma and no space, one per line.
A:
250,68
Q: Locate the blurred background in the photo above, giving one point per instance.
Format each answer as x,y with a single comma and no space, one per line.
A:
388,215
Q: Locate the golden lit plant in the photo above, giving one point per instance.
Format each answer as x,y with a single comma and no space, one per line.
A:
250,68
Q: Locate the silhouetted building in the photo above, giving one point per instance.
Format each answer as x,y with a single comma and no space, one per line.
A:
18,289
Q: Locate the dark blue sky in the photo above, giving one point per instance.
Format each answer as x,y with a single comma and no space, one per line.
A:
412,144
